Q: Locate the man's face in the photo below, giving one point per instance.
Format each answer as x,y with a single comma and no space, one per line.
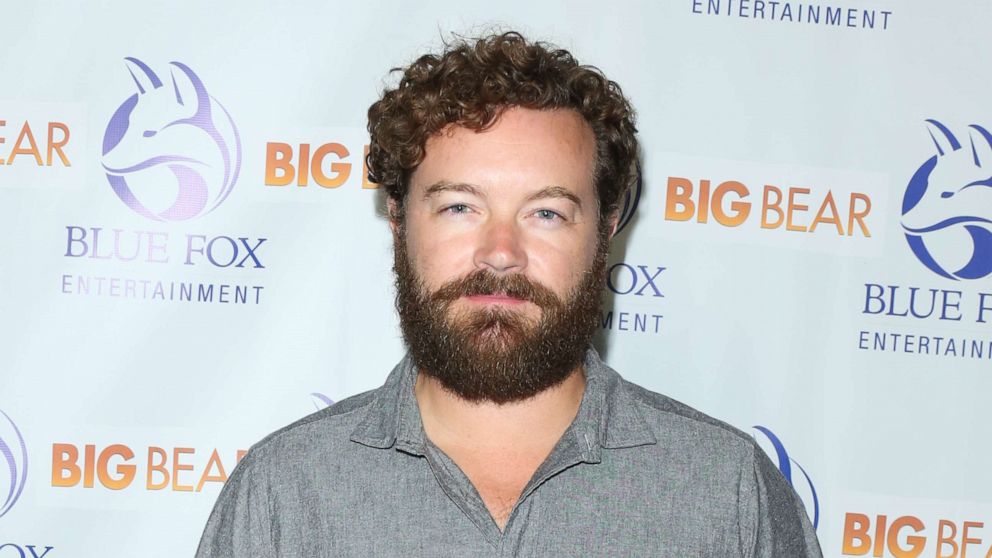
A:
500,256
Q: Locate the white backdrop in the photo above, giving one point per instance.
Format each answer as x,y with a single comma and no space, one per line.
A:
143,347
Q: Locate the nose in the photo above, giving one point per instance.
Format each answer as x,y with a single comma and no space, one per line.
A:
501,248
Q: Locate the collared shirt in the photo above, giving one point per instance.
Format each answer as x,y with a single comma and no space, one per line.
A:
635,474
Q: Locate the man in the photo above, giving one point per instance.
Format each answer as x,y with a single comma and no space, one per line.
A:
502,433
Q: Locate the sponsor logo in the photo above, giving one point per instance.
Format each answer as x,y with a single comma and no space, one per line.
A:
40,143
636,293
27,146
630,201
947,222
635,287
117,466
804,485
909,536
779,11
13,476
121,245
171,151
837,211
10,550
728,204
327,163
321,401
13,464
947,207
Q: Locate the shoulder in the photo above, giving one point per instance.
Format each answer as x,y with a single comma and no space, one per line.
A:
675,423
241,522
318,434
771,518
272,465
330,426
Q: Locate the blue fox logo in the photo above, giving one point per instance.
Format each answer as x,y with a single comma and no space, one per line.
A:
947,205
171,151
14,461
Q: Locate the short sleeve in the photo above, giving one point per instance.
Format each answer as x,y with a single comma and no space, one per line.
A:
774,521
240,523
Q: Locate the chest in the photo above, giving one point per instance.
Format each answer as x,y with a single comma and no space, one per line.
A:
602,509
499,478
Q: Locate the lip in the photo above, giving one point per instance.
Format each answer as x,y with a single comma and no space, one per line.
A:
495,299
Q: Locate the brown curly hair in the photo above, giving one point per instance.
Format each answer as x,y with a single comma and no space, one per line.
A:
471,83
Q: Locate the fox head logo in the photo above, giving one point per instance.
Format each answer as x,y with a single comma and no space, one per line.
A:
947,208
630,201
804,487
13,463
321,401
171,151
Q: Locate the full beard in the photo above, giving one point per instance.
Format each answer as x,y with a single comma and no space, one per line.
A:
496,354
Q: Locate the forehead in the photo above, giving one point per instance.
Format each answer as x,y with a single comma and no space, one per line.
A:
525,148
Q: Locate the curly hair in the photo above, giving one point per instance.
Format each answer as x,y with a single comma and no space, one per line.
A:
471,83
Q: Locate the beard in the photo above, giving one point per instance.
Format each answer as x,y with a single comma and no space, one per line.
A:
494,353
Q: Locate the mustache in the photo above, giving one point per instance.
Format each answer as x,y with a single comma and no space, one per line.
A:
484,282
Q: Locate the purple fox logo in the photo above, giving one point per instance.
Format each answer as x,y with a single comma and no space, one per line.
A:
13,462
321,401
947,208
171,151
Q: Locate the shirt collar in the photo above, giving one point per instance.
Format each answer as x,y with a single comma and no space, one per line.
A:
608,417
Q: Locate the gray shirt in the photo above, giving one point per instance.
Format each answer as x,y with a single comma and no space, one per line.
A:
636,474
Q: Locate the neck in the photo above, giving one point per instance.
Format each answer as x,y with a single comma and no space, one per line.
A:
536,422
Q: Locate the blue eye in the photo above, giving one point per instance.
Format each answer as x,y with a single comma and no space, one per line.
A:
547,214
946,195
149,133
457,208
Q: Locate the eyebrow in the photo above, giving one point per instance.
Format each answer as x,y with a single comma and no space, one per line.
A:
445,186
556,192
548,192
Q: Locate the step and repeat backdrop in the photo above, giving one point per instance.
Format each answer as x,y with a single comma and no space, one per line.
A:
191,255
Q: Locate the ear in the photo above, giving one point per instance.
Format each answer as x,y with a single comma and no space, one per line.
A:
189,90
395,215
943,139
613,221
981,145
143,76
